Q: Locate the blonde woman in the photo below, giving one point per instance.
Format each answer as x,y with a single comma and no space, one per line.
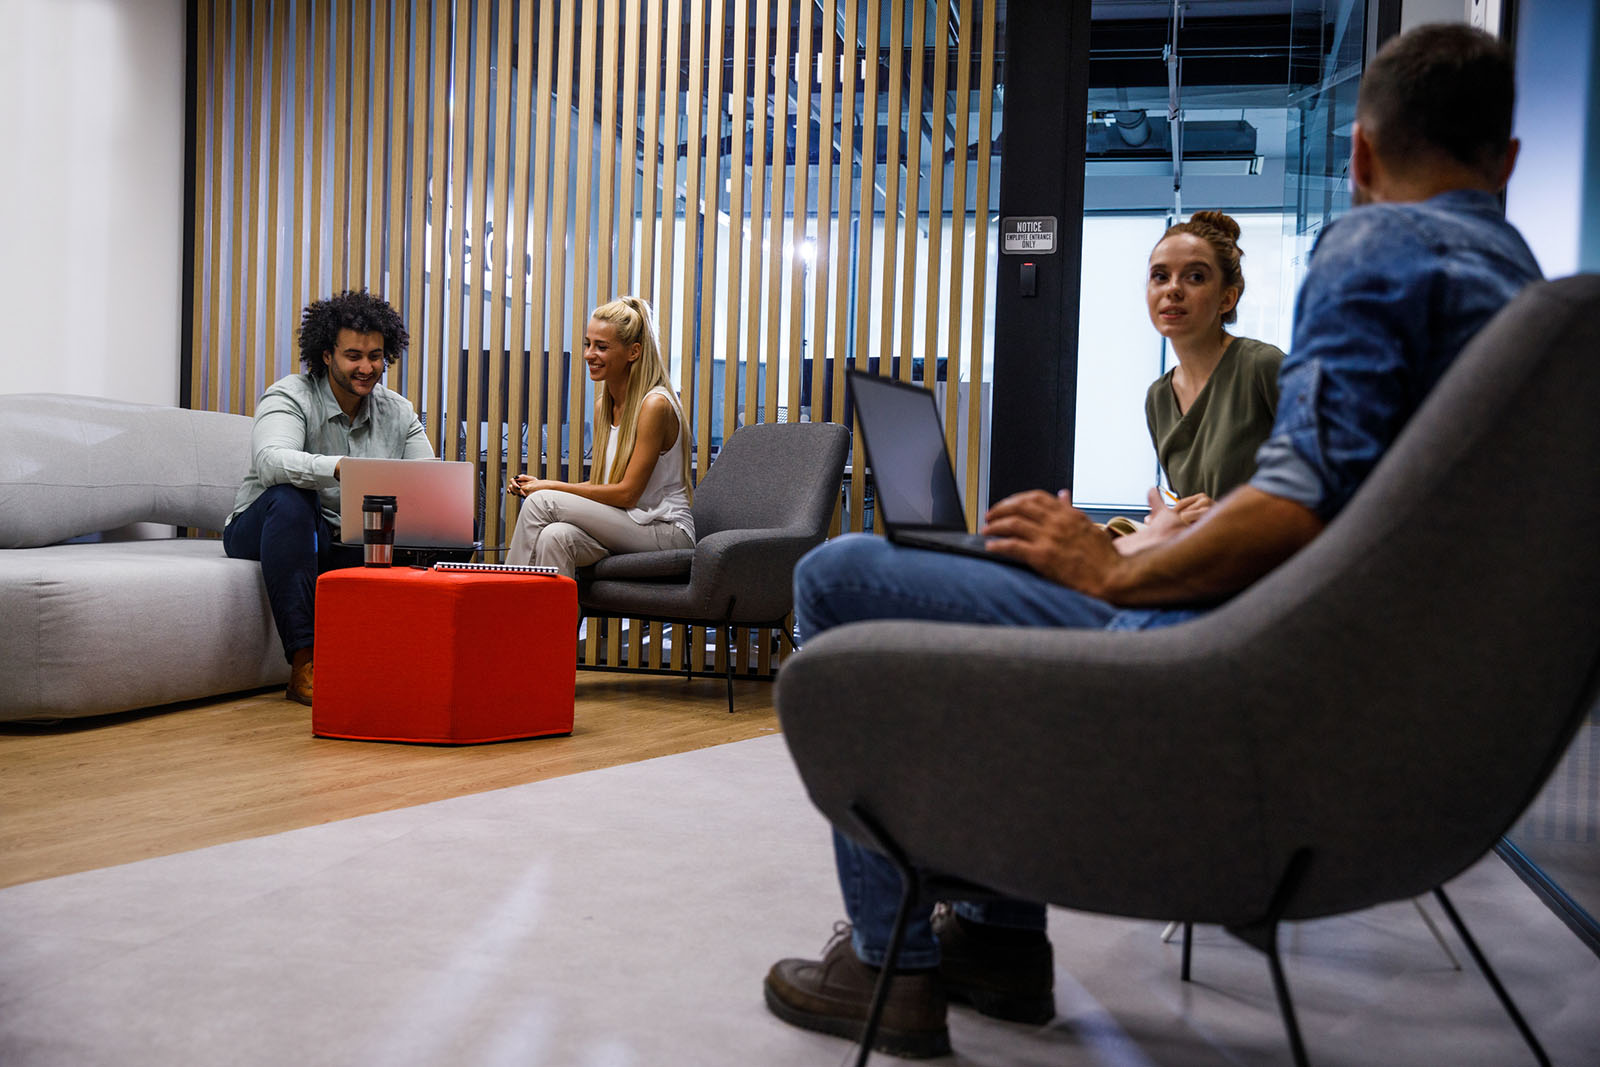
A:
637,499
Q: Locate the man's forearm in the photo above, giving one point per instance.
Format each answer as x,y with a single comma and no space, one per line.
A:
1240,539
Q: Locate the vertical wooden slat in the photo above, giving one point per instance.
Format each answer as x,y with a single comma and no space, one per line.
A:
893,183
541,387
710,200
424,77
980,258
958,238
475,250
798,272
652,86
582,297
518,415
494,464
339,184
460,282
317,72
273,360
299,95
936,216
561,140
703,231
695,107
439,199
605,225
383,161
237,241
361,140
774,64
204,196
666,272
908,256
248,336
840,348
389,270
734,350
869,168
827,71
627,160
606,179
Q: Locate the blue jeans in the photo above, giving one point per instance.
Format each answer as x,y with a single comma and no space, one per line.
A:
285,530
858,577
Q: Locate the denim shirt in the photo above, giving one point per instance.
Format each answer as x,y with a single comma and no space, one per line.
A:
301,433
1393,294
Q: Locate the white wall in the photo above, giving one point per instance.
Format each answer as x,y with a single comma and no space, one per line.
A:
91,197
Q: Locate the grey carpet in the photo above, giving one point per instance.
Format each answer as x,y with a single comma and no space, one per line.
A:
626,916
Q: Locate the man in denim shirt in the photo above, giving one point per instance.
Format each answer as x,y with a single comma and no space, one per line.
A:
1394,291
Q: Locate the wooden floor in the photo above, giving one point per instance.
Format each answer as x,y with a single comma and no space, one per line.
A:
94,793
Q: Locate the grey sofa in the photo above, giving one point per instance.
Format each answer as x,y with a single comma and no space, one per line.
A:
112,625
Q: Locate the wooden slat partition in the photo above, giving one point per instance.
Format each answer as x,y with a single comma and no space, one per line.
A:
497,168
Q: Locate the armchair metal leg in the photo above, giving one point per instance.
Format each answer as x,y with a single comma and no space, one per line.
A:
728,655
1494,981
909,891
1188,947
1433,929
1263,934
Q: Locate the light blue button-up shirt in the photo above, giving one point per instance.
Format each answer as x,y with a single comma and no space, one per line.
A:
301,433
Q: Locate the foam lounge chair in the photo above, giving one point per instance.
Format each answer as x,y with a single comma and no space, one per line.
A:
1359,726
764,503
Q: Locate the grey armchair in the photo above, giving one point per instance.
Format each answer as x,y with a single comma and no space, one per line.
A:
764,503
1372,716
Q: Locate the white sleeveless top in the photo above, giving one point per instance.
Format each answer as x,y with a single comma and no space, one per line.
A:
665,498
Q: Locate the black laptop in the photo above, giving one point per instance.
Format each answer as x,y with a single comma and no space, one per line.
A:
913,480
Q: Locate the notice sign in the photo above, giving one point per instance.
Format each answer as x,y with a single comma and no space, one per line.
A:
1023,235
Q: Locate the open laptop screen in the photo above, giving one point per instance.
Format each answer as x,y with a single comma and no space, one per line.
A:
913,483
436,501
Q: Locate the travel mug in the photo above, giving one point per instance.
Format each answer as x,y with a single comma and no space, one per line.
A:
377,533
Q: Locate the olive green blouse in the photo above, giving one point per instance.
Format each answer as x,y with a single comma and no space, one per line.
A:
1211,448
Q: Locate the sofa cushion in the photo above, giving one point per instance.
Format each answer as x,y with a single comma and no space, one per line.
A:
97,628
74,465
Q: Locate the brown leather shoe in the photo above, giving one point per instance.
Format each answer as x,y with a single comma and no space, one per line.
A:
833,995
300,672
1003,973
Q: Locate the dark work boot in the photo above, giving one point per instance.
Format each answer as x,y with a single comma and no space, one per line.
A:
834,994
1004,973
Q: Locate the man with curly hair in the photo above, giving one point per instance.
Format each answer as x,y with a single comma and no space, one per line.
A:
287,512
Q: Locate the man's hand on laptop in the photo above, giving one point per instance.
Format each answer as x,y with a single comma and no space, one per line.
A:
1055,539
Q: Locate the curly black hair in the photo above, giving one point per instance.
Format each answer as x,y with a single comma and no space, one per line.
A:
360,311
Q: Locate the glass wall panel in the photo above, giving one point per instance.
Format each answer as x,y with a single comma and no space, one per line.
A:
1239,107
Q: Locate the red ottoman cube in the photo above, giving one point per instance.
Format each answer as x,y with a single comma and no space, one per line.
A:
444,657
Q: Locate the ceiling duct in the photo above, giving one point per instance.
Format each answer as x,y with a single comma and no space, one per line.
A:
1136,142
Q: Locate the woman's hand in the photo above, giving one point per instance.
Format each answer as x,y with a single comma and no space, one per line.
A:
1162,524
1191,508
523,484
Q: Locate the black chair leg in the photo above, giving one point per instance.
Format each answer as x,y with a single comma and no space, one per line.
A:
1188,945
1263,934
1494,981
728,653
909,891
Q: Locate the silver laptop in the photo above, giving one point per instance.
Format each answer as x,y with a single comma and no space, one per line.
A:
435,500
913,480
